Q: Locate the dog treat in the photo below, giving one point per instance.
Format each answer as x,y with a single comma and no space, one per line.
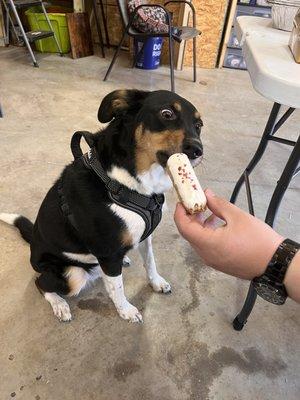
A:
186,183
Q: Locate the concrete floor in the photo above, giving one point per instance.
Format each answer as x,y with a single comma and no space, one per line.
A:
186,348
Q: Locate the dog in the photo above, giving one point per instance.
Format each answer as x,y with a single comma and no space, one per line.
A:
144,129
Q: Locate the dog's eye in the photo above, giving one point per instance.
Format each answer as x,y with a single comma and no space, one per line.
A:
166,113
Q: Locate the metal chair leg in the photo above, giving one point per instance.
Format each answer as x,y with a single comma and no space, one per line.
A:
98,28
51,29
283,183
6,38
11,4
194,60
241,319
269,129
138,54
171,58
115,56
104,21
9,21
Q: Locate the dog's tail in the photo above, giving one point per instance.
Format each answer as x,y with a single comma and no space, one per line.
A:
23,224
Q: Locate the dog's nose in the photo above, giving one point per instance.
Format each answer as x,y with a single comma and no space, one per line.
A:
193,150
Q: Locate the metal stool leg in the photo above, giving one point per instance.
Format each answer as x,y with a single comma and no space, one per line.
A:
98,28
289,172
171,59
194,60
260,150
115,56
240,320
11,4
51,28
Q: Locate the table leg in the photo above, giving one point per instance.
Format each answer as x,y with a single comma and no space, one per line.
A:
260,150
289,172
240,320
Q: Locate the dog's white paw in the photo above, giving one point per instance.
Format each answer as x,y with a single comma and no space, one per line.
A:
130,313
159,284
62,311
126,261
59,306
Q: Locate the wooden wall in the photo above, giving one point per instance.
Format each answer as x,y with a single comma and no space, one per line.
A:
114,22
210,20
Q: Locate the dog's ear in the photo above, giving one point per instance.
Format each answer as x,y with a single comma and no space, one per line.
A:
120,102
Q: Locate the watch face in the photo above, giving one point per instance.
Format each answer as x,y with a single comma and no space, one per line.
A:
270,293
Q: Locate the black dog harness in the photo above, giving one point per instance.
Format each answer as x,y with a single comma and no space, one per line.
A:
148,207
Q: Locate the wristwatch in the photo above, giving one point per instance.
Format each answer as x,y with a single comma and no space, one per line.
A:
270,285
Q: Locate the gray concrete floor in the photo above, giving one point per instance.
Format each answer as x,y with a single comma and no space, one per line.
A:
186,348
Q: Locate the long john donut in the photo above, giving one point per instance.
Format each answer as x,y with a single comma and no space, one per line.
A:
186,183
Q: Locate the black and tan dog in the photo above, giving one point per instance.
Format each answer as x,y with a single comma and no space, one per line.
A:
145,129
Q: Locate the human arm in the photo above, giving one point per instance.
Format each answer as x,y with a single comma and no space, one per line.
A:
241,247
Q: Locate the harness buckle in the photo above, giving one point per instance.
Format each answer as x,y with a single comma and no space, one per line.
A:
159,199
114,187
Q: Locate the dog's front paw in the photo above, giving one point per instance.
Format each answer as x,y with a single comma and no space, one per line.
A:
62,311
130,313
159,284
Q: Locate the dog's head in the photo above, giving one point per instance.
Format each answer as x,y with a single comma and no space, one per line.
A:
162,123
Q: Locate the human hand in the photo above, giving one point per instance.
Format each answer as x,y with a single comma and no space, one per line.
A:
242,246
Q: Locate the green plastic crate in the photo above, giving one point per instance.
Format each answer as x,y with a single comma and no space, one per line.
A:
37,22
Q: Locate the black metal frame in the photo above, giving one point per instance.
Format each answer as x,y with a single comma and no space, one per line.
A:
290,171
144,36
194,39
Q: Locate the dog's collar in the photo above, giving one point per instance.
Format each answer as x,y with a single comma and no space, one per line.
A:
148,207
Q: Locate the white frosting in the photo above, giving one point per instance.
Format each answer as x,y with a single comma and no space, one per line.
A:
186,183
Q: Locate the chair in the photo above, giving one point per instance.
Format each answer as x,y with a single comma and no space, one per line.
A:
129,30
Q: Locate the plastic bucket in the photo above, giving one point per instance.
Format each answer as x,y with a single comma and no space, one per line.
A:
57,16
150,58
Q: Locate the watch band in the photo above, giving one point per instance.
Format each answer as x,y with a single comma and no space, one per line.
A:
281,260
270,285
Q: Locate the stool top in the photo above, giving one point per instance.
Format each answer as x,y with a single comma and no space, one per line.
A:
270,63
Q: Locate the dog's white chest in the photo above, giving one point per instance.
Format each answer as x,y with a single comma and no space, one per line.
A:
133,222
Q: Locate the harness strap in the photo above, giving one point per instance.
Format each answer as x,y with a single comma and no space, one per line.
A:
148,207
75,142
64,205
